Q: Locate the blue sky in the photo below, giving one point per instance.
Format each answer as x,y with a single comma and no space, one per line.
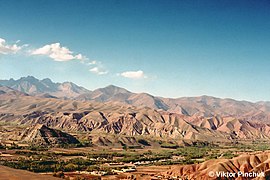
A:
166,48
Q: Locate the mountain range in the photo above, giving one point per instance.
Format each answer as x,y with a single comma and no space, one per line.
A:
116,111
204,106
44,87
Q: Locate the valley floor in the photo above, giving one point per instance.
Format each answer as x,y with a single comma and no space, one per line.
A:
117,163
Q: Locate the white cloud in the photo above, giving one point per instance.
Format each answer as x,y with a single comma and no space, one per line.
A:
133,74
79,57
9,48
97,70
58,53
92,63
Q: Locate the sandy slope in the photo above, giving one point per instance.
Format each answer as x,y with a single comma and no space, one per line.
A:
7,173
258,162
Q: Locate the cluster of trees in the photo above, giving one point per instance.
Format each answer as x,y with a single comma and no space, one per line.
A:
77,164
41,160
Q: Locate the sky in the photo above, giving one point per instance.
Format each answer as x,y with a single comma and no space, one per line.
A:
165,48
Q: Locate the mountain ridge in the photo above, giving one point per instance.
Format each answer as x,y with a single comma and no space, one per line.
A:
201,118
34,86
206,106
111,118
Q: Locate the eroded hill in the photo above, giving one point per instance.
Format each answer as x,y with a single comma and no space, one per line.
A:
257,164
125,120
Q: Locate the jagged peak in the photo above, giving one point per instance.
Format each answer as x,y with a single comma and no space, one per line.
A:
29,78
34,86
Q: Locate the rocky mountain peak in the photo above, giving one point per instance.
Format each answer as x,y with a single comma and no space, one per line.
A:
34,86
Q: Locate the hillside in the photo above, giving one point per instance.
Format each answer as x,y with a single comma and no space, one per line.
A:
110,118
40,134
205,106
114,110
116,119
7,173
258,162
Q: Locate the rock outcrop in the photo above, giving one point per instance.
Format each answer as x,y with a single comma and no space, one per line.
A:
258,165
39,134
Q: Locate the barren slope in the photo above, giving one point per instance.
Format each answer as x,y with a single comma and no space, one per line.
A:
258,162
7,173
99,117
205,106
116,118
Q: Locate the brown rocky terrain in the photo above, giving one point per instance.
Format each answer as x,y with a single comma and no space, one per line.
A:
113,116
116,111
118,119
246,163
42,135
238,128
74,116
205,106
7,173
